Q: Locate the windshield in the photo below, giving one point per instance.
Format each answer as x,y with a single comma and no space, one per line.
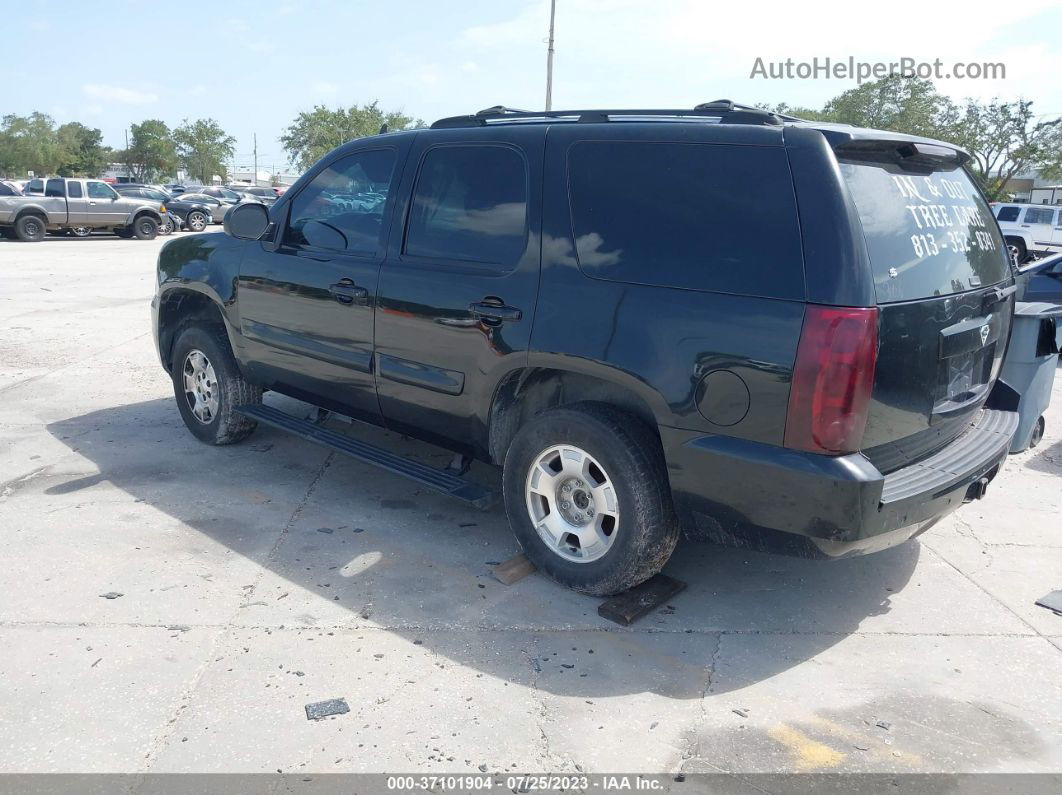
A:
928,233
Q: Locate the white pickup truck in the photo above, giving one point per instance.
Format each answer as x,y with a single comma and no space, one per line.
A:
78,203
1031,230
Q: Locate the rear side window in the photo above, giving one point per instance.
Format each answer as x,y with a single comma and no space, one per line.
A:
54,187
470,204
696,216
1037,215
73,190
927,233
1008,213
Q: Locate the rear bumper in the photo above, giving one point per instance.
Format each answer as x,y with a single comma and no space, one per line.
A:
783,500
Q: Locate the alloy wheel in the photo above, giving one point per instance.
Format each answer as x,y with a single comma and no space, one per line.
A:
201,388
572,503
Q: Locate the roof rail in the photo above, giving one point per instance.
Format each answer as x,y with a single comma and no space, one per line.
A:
722,110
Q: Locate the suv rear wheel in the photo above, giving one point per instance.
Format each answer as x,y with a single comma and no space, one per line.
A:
208,386
1016,247
588,497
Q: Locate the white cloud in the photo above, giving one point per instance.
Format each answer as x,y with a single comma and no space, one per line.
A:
469,66
128,96
324,87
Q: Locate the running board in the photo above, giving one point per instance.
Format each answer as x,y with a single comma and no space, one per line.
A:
437,479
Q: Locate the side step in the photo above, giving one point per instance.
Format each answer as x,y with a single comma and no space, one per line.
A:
440,480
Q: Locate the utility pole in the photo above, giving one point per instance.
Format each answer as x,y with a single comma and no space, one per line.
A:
256,158
549,56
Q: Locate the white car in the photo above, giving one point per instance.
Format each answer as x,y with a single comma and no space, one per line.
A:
1030,229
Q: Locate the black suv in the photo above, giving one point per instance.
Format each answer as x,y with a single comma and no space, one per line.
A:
783,333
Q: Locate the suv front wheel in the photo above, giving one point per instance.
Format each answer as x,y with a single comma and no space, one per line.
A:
587,495
208,386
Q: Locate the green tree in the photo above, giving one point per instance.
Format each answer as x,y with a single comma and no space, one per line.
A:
204,148
29,143
84,154
318,131
905,104
151,151
1006,140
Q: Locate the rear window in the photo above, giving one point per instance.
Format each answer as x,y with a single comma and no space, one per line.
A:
712,217
1038,215
1008,213
928,234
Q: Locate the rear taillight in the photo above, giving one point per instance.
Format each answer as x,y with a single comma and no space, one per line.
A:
832,379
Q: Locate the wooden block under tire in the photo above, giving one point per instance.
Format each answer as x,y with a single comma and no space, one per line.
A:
629,606
513,570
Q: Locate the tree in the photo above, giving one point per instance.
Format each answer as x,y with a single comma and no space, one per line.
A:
84,154
1006,140
316,132
29,143
204,148
151,150
905,104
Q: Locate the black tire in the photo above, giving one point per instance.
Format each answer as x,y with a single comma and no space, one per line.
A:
30,229
225,426
145,228
1037,434
124,232
1021,253
196,221
629,452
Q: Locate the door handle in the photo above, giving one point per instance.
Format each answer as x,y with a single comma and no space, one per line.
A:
346,292
494,310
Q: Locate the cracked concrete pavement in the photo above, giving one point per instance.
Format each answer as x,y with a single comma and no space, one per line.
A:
264,576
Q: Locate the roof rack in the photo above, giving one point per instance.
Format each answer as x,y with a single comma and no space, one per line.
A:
721,110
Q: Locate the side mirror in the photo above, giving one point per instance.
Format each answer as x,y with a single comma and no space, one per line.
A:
247,221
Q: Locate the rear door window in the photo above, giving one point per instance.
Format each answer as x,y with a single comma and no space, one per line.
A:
55,187
927,233
714,217
1037,215
470,205
1008,213
73,190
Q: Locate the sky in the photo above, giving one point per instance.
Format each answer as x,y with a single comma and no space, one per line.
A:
255,64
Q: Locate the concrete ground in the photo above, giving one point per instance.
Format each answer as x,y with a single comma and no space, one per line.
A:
257,578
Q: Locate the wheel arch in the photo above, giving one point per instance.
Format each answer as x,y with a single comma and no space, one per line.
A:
32,210
180,306
526,392
140,213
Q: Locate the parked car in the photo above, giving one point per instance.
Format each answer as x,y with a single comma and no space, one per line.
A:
10,189
193,216
170,222
1030,229
187,204
264,195
717,318
77,204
